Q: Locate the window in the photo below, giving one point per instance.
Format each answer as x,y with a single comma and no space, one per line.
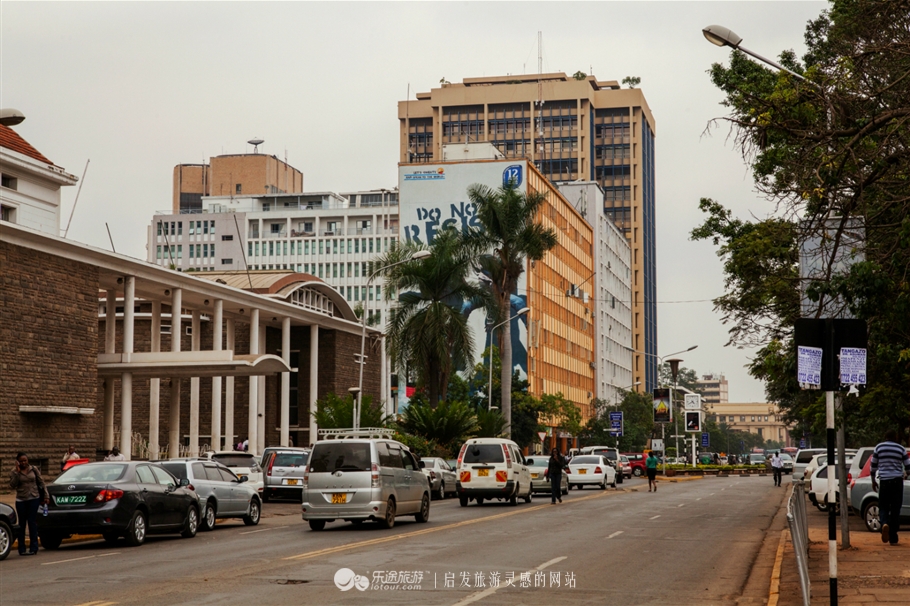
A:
753,419
192,251
356,246
742,419
212,227
145,474
227,238
306,248
205,227
9,182
276,228
180,251
285,247
179,228
238,189
192,228
163,477
321,247
350,245
159,251
227,261
271,248
198,471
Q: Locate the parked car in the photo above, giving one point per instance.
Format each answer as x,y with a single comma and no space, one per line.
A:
538,465
243,464
609,453
441,477
802,459
284,469
786,463
114,499
865,503
862,456
363,478
8,528
818,487
591,469
637,460
221,494
492,468
626,466
756,459
821,460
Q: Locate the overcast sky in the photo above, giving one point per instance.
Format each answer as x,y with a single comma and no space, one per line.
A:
138,88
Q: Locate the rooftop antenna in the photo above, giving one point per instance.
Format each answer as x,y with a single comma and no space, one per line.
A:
256,142
78,191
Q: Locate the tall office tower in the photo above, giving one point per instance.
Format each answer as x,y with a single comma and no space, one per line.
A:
570,129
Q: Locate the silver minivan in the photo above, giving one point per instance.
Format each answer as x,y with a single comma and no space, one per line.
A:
355,478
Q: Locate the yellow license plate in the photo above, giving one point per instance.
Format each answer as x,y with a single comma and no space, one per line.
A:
582,471
339,498
292,482
535,476
483,473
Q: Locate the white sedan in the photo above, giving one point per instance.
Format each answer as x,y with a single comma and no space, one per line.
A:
591,469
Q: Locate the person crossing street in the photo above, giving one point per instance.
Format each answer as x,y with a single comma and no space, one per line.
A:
777,466
554,473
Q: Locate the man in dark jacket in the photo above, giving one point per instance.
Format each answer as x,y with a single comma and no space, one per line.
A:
554,473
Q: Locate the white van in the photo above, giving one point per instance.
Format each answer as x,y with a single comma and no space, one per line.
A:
492,468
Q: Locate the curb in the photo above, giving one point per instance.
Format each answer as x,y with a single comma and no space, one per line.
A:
682,479
774,591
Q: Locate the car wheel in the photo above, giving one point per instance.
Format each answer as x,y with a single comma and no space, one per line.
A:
265,495
110,536
513,500
619,479
135,531
821,505
389,520
636,472
317,524
423,515
6,539
568,487
870,516
836,503
565,490
255,512
192,523
51,540
463,501
208,516
480,500
442,491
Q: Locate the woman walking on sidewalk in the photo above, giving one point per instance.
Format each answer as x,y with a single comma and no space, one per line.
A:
651,468
554,473
26,480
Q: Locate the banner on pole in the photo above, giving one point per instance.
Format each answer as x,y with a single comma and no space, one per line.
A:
809,367
616,424
852,366
663,412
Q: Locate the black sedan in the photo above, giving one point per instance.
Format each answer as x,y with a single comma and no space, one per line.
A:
114,499
8,526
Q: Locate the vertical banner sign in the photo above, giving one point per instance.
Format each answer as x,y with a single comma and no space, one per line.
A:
852,366
662,410
616,424
802,442
809,367
705,439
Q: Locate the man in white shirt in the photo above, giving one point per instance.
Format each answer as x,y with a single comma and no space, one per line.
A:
70,455
115,455
777,466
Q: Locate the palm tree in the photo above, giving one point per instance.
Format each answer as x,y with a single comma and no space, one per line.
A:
509,236
427,330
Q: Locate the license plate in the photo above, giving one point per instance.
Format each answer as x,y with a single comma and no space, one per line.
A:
534,476
483,473
339,498
292,482
70,500
582,471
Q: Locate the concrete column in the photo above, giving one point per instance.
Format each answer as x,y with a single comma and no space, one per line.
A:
314,380
110,346
285,381
155,385
229,394
260,394
173,446
252,425
217,338
126,380
195,344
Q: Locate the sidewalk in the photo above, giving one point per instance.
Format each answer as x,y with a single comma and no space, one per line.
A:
870,572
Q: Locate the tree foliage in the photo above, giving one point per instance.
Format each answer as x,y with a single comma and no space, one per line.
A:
334,412
831,149
448,424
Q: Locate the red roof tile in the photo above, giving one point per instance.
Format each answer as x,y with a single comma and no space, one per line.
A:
10,139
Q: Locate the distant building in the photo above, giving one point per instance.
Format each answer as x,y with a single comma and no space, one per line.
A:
568,129
760,418
30,189
714,389
233,175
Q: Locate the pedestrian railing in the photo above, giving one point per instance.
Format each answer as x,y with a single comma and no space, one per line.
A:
799,534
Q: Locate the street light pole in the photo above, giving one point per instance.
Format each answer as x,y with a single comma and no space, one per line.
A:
420,254
521,312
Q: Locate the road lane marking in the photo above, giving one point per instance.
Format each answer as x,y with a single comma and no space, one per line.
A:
681,505
655,517
371,542
698,499
712,494
615,534
96,603
104,555
263,530
488,592
82,558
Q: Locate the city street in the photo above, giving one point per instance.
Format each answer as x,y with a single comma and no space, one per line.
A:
690,543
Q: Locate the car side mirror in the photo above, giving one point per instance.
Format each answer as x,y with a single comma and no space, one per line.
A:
170,487
185,482
423,464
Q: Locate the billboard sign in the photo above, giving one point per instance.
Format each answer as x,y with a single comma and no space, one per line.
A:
663,412
693,421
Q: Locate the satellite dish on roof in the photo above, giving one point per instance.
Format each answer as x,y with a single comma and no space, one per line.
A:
255,143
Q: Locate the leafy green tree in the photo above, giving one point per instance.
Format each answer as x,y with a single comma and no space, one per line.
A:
427,330
638,423
509,236
686,377
830,150
334,412
579,75
490,423
631,81
448,424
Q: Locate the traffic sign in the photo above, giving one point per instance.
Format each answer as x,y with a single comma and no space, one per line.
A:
802,442
616,424
705,439
542,435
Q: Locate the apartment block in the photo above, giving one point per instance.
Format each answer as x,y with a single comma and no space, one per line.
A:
714,389
568,129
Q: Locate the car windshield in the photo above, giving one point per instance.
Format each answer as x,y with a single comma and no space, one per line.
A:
607,454
328,457
483,453
536,462
178,469
92,473
290,459
585,461
785,457
234,460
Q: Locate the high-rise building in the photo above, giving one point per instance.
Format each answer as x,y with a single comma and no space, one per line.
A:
233,175
714,389
569,129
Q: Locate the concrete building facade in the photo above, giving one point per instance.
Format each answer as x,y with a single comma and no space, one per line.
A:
569,129
760,418
714,389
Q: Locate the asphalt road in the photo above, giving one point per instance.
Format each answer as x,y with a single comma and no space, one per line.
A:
689,543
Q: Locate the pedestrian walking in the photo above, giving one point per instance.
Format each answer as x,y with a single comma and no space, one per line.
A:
651,468
70,455
891,461
777,467
26,480
115,455
554,473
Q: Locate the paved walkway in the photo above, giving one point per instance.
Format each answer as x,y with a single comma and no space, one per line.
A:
870,572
